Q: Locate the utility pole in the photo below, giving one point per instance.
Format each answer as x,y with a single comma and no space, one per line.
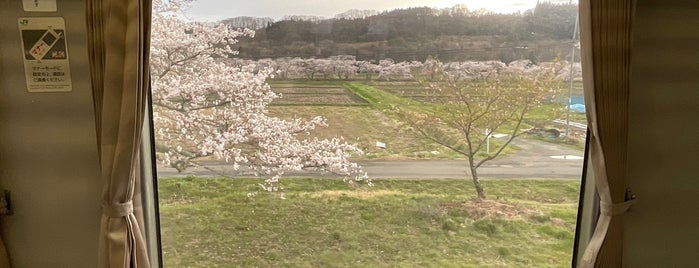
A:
572,64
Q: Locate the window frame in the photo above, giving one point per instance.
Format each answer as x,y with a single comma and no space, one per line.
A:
149,187
588,207
587,215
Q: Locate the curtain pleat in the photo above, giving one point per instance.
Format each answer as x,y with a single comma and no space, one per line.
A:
606,56
4,258
95,33
118,34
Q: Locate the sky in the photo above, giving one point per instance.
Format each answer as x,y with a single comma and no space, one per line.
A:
214,10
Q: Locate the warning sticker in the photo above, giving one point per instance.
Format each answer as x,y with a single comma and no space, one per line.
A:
45,52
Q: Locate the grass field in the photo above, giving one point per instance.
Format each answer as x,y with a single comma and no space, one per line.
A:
365,126
361,113
396,223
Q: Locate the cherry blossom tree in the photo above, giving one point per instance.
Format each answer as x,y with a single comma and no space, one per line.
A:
432,67
368,69
205,108
473,69
390,70
344,66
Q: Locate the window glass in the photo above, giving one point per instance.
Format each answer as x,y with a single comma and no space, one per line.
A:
367,133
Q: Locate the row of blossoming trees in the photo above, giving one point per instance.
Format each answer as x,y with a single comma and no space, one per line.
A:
348,67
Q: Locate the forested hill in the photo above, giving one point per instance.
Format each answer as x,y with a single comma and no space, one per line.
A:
541,34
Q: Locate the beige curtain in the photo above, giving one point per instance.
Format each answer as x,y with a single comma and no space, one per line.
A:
605,32
118,34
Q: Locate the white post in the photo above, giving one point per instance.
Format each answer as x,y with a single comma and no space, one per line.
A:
487,140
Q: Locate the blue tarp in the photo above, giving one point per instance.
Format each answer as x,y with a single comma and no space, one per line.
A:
578,108
577,100
577,104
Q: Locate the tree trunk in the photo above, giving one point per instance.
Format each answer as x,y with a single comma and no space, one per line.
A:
477,184
476,181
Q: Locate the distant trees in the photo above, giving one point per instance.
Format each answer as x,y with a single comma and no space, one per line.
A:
247,22
432,67
367,69
552,20
421,31
356,14
390,70
347,67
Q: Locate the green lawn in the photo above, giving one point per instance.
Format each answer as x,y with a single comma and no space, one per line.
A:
396,223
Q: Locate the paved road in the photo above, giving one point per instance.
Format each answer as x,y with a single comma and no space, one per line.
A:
536,159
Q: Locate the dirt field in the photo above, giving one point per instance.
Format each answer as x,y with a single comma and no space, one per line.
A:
315,95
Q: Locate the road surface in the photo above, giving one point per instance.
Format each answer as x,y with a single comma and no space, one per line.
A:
535,159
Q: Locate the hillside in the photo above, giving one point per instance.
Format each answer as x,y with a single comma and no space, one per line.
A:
456,34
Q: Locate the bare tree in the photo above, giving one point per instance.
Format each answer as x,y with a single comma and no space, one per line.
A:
463,114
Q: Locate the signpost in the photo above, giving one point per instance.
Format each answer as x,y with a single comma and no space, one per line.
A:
487,138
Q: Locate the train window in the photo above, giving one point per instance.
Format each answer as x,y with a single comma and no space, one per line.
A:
367,133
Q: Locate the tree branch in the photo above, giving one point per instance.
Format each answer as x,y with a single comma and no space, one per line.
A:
509,140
